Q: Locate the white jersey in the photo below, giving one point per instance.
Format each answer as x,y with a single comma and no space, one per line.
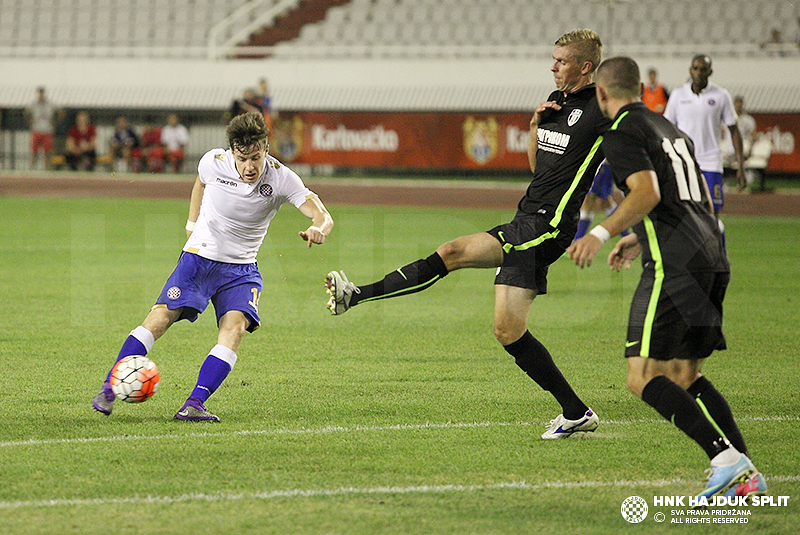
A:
235,215
174,137
702,117
42,114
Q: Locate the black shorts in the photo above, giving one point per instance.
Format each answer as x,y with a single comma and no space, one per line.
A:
677,317
530,245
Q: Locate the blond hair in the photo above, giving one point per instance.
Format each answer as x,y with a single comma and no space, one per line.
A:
585,44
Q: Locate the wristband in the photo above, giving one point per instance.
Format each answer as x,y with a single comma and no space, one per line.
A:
190,225
600,233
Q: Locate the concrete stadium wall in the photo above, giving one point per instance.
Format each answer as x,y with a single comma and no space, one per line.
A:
768,84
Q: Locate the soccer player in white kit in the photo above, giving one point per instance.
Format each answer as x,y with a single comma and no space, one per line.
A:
700,108
235,196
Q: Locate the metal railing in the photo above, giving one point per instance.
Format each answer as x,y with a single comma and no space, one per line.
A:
214,51
239,25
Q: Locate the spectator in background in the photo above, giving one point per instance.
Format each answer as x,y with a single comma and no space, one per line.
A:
174,138
774,38
756,152
125,146
655,95
265,100
81,151
152,150
747,129
248,102
746,124
774,43
42,117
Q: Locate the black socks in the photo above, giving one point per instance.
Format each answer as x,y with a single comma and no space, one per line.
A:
677,406
535,360
409,279
717,410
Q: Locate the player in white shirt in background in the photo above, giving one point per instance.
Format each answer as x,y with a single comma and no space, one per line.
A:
42,116
175,137
700,108
235,196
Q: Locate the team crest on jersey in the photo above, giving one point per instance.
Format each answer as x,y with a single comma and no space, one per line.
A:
480,139
711,102
265,190
574,116
173,293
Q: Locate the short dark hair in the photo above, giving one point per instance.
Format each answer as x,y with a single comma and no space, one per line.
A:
247,131
705,58
620,77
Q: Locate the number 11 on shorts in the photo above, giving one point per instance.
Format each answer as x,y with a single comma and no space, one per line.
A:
256,296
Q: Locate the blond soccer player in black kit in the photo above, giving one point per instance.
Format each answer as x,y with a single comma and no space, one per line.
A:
564,153
676,313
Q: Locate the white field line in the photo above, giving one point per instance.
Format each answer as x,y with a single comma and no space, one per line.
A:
341,429
354,491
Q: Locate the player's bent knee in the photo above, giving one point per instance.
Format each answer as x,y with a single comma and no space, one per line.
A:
635,384
232,327
450,254
160,319
637,379
506,333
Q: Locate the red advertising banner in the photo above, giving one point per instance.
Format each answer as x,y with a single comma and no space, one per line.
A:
450,141
783,131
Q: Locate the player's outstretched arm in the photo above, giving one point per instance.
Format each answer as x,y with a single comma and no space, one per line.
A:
644,195
194,205
321,221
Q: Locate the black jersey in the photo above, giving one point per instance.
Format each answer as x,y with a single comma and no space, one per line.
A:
680,233
568,156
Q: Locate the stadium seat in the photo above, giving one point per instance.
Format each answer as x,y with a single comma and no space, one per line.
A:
183,26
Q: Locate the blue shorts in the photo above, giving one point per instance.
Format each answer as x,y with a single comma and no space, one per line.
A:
714,181
603,183
197,280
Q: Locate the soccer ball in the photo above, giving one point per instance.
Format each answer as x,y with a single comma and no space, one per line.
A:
134,379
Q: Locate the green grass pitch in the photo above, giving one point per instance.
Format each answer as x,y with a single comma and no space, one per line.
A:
402,416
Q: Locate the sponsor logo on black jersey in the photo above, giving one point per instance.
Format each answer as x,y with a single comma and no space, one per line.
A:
552,141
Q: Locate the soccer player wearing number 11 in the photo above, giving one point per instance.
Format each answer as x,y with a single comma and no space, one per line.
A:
676,314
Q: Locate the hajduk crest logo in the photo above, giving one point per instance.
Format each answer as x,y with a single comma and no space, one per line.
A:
634,509
574,116
174,293
265,190
481,139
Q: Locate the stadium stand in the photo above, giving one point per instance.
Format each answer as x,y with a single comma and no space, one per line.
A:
357,28
118,28
513,27
159,56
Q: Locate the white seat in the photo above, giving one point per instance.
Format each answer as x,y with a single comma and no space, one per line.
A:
310,33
